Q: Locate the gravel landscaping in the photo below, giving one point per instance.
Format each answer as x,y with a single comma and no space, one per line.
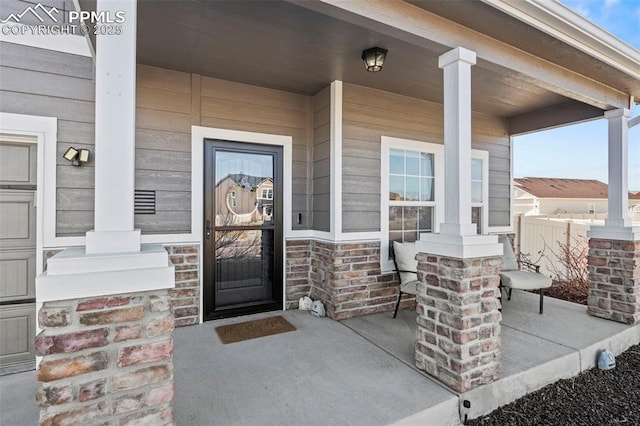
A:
594,397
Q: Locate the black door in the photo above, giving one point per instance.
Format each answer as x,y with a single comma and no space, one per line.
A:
242,228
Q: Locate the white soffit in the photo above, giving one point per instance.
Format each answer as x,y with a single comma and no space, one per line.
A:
561,22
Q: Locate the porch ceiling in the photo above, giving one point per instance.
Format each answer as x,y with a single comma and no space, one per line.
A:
284,46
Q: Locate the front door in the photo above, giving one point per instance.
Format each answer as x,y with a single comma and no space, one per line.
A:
242,228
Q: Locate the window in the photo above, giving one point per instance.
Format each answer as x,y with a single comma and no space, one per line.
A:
411,191
591,208
479,189
234,202
411,197
267,194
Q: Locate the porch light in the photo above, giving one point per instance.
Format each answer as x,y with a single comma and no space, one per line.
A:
374,58
77,157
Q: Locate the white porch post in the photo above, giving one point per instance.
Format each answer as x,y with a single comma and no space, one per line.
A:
618,215
115,136
457,141
458,236
614,249
618,225
113,260
458,269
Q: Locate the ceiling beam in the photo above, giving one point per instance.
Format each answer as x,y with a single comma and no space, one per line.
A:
548,118
417,26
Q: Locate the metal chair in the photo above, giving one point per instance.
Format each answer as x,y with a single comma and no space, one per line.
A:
404,259
520,274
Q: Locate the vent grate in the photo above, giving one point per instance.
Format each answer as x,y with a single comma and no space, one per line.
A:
144,202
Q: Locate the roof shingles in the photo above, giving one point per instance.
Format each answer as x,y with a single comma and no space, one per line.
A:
564,188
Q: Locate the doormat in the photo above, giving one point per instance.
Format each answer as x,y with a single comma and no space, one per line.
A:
233,333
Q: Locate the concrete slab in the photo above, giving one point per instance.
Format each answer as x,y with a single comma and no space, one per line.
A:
356,372
322,373
563,322
396,336
18,399
537,349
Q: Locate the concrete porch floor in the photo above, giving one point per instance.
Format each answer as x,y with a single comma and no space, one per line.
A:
536,349
356,372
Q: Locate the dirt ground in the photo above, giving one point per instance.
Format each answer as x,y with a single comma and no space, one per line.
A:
573,292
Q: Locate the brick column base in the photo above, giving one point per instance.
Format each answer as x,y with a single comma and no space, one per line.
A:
614,280
106,360
458,335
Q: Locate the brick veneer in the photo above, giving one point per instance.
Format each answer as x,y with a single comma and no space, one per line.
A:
185,297
348,280
458,335
106,360
614,280
345,276
298,264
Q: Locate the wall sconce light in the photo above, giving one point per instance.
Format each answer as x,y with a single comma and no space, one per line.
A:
77,157
374,58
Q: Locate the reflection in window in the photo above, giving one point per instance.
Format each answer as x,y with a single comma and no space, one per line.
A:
267,194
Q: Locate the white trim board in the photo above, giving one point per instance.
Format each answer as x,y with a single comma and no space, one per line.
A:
43,131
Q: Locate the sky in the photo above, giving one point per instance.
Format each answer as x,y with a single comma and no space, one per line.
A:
580,151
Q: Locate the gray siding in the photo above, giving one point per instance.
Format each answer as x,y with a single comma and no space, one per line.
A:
321,160
163,148
46,83
42,82
236,106
169,102
369,114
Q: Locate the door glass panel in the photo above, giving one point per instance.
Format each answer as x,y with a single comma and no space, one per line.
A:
244,189
244,266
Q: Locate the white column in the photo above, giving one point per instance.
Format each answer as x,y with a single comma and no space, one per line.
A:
457,141
115,135
618,225
458,237
618,215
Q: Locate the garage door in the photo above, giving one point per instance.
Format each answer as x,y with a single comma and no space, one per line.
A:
17,256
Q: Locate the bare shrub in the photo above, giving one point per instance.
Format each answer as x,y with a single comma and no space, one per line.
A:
568,262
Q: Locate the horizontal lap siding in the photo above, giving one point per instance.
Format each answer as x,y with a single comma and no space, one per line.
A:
237,106
369,114
163,148
321,160
54,84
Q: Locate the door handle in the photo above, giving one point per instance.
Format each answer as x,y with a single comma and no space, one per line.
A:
207,229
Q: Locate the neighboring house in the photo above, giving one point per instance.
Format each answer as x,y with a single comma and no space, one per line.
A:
243,198
534,196
356,159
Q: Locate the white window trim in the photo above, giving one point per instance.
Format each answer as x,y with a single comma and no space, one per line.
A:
43,131
484,205
388,143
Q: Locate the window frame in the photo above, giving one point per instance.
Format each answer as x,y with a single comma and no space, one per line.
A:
437,150
484,205
266,190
